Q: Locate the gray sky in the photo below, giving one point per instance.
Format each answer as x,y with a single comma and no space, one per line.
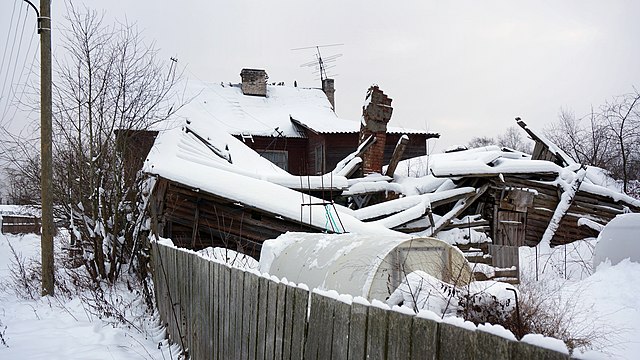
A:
461,68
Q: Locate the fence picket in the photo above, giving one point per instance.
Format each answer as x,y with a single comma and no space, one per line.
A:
300,321
358,331
263,299
377,333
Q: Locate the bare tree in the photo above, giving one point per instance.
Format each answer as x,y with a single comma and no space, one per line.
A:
608,138
622,116
513,139
106,79
480,141
586,139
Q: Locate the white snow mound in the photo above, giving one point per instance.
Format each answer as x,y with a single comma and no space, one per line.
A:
619,240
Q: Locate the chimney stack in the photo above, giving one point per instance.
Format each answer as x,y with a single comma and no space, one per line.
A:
329,90
254,82
376,114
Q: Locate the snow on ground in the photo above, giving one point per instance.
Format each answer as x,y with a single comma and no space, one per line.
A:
62,328
602,302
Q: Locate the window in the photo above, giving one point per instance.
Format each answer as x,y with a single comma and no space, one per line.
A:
319,159
279,157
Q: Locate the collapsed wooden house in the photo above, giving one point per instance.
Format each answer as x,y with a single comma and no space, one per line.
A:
211,189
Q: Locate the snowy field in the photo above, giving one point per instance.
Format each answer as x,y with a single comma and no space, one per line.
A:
63,328
603,302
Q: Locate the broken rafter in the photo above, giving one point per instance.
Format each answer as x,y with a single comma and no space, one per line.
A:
460,207
566,199
543,144
347,166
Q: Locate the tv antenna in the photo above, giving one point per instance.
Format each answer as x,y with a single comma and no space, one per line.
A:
320,63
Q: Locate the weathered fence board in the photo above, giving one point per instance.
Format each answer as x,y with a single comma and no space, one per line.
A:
300,322
288,324
217,312
341,323
424,339
315,317
358,331
280,320
376,333
249,320
491,347
324,330
456,343
263,299
399,335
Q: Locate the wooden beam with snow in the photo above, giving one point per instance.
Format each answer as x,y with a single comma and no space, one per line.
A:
397,155
545,149
458,209
563,206
347,166
392,207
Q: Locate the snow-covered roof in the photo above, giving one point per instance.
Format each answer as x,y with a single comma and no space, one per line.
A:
281,113
218,163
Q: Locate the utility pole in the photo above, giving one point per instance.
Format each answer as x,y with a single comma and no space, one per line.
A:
46,174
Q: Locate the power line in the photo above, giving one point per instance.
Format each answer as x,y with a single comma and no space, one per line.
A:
6,46
15,64
26,80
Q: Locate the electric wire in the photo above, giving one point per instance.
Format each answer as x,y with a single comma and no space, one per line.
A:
6,46
15,65
26,81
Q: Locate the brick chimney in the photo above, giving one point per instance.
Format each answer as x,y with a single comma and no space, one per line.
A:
254,82
329,90
376,113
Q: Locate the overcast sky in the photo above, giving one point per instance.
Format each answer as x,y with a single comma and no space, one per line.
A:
460,68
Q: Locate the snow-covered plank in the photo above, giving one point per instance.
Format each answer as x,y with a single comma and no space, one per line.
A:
401,204
460,206
563,206
548,144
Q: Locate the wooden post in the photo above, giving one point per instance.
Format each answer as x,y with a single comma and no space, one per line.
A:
397,155
46,174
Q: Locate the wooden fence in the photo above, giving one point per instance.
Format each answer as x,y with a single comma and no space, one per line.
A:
215,311
20,224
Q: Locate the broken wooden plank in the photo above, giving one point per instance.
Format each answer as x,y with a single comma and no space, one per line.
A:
563,206
460,207
546,145
397,155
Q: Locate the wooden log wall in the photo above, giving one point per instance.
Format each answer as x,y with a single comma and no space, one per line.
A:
218,312
196,219
594,207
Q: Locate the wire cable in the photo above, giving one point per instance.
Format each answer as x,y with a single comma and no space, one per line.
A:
15,65
6,46
26,81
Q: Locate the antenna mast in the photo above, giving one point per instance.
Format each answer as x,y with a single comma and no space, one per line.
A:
319,63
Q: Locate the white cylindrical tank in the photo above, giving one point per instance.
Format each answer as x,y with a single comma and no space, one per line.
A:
361,265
